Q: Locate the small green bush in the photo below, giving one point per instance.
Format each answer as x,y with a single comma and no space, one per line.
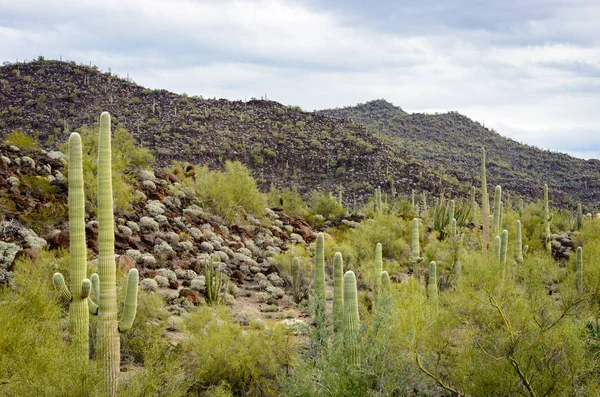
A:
22,141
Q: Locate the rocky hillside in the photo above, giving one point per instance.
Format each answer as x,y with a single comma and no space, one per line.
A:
451,143
167,237
284,146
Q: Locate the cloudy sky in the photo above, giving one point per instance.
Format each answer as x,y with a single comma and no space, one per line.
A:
528,68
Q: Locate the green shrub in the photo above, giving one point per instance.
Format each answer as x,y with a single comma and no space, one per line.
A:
290,200
231,193
22,141
326,205
250,361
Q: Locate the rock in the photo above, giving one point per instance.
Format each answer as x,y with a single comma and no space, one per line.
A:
8,251
162,281
149,285
191,296
125,263
207,247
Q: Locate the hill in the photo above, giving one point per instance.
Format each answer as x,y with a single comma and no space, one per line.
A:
451,142
283,145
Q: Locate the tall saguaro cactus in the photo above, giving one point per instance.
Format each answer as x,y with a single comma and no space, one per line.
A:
547,219
415,251
108,325
496,226
319,303
485,205
351,318
80,286
519,245
377,269
432,289
503,247
579,269
338,292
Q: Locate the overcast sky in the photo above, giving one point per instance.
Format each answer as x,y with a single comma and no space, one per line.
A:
528,68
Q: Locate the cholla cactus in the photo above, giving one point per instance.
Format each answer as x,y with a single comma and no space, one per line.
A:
79,292
415,252
338,292
351,319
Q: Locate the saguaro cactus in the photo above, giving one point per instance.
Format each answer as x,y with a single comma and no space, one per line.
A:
319,308
547,219
503,247
579,269
386,283
79,285
496,248
496,227
377,269
473,206
579,217
485,205
519,245
108,326
351,319
432,289
415,251
338,292
454,237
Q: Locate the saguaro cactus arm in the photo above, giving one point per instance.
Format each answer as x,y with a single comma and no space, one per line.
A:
61,286
130,308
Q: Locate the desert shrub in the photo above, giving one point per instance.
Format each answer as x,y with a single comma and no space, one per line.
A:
22,141
37,186
231,193
45,217
250,361
290,200
298,280
326,205
127,159
36,359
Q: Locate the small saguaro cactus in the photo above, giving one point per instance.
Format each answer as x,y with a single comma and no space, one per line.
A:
579,269
503,247
319,308
485,205
547,219
351,319
473,206
79,292
108,325
432,289
496,249
377,269
386,283
338,292
496,227
519,245
415,252
579,217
